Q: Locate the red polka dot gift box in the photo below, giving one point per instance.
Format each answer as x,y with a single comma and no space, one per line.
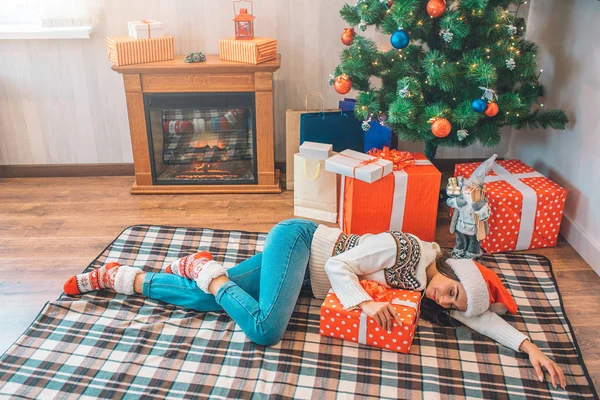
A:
526,207
355,326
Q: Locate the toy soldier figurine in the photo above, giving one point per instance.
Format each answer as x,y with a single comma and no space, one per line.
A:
471,211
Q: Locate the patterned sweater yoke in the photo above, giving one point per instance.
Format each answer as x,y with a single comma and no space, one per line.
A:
403,274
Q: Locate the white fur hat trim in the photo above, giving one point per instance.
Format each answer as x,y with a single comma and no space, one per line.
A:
478,296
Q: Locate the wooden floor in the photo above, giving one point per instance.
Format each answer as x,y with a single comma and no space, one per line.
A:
51,228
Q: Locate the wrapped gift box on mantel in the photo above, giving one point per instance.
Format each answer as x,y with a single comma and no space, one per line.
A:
125,50
526,207
244,47
255,51
405,200
146,29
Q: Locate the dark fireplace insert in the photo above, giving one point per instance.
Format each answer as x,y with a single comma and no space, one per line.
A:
201,138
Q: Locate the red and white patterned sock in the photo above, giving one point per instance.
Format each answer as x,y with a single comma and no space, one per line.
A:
112,276
199,267
189,266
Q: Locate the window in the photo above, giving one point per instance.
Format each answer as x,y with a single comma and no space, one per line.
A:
13,12
47,19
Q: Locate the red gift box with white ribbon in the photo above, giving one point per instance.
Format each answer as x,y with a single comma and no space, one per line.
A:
526,207
355,326
406,200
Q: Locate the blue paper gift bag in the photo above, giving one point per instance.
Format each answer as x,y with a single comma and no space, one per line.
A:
340,129
377,136
347,104
343,131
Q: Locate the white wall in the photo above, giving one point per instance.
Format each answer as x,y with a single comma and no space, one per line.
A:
567,32
61,103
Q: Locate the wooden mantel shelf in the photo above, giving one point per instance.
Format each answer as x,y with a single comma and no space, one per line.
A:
212,64
211,76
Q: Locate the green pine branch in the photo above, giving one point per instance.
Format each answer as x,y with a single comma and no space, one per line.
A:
556,119
488,135
464,116
401,14
349,14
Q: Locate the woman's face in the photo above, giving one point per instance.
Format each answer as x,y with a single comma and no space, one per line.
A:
447,292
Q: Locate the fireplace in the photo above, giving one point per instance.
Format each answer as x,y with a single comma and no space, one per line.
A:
201,138
201,128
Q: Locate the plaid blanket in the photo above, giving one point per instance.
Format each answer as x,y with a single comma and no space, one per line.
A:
104,345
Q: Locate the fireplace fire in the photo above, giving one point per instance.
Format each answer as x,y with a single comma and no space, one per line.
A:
202,144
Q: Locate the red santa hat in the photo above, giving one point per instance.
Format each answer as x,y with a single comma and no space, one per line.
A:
483,288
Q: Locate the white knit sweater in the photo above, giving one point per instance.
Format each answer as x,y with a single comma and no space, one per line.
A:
367,260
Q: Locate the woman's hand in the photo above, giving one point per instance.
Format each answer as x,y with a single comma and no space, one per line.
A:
539,360
383,313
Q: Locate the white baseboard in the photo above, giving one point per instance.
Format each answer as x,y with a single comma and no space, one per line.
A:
587,247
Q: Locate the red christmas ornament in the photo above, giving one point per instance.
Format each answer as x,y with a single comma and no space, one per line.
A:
342,84
491,109
441,127
435,8
348,36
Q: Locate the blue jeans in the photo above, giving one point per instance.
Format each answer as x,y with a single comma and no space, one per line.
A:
261,292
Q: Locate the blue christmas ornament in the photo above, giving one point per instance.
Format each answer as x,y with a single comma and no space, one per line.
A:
479,105
399,39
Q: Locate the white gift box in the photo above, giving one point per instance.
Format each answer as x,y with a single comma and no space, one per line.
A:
359,165
315,151
145,29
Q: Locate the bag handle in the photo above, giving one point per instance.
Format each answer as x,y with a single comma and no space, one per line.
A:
306,172
316,94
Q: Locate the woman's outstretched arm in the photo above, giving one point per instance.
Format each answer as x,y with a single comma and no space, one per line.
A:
495,327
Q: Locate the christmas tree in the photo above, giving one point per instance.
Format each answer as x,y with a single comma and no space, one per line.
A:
457,71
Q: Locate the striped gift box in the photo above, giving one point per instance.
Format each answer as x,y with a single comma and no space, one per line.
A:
125,50
255,51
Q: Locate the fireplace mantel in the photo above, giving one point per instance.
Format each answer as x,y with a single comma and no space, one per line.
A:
216,76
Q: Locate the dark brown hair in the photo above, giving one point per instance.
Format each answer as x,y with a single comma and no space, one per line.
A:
443,267
432,311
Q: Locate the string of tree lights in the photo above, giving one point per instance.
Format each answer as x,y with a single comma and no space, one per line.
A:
457,71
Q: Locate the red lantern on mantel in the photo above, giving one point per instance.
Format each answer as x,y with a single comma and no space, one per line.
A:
244,22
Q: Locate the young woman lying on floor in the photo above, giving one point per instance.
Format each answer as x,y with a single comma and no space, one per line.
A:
261,292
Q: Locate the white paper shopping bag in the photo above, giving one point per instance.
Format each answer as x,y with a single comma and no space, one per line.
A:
315,190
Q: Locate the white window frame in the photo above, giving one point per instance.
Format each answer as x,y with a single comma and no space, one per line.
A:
22,19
